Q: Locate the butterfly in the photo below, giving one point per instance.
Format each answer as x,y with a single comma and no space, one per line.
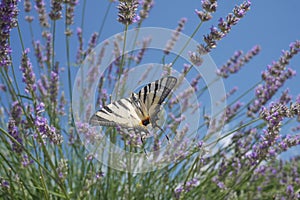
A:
139,110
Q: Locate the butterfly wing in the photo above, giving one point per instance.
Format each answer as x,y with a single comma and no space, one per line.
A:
154,94
119,113
134,112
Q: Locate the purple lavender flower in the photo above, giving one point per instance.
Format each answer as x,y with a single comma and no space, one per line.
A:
90,134
54,85
43,87
40,108
2,88
70,12
127,11
49,48
99,174
235,63
47,131
224,26
14,132
186,187
221,185
191,183
140,55
16,112
231,111
175,36
273,116
40,7
8,16
26,161
56,8
274,78
62,169
289,141
117,54
28,74
79,55
62,104
178,191
195,82
290,190
231,92
27,6
92,43
38,53
209,5
285,98
146,6
195,58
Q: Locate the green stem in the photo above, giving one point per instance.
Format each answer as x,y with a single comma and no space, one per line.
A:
47,156
104,19
83,14
187,43
123,51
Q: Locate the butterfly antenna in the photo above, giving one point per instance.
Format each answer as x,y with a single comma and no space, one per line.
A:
144,147
146,153
164,133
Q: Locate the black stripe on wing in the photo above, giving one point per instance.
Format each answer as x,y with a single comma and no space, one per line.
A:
168,84
96,120
157,91
107,115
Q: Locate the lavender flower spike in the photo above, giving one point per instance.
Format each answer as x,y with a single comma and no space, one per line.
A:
56,13
40,7
8,16
175,36
127,11
28,74
14,132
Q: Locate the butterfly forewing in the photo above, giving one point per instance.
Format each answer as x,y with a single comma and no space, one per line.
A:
156,92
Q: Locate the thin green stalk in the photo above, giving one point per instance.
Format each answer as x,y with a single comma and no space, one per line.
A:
104,19
27,152
53,42
32,38
123,51
69,76
128,173
41,173
134,43
10,87
234,130
83,14
187,43
12,66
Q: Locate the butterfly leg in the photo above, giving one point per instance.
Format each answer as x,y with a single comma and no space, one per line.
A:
142,139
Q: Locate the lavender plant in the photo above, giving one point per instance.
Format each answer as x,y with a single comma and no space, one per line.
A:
45,145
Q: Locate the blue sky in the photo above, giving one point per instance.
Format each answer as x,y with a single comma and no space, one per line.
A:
271,24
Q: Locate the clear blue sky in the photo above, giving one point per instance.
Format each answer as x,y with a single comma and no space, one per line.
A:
270,23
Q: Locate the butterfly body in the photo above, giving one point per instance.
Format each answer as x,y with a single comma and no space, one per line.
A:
139,110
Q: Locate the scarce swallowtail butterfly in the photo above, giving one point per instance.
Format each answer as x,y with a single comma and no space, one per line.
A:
137,111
